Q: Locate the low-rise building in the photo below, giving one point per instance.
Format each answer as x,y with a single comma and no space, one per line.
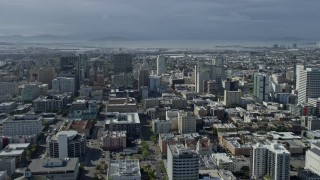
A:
83,126
129,122
27,124
7,107
114,140
161,126
16,151
50,103
8,165
54,168
122,105
124,170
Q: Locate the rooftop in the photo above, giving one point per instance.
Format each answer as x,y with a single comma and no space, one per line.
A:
124,168
122,118
53,165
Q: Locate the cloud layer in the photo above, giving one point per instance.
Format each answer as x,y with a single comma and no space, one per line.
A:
163,19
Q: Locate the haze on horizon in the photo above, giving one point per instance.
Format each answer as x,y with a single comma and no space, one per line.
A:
162,19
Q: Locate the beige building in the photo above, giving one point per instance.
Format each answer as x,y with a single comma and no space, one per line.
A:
186,122
43,75
114,140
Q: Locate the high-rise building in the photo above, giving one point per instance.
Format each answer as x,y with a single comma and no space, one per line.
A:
155,82
271,160
64,85
144,75
206,72
122,63
261,86
186,122
161,65
182,163
232,98
312,162
308,81
44,75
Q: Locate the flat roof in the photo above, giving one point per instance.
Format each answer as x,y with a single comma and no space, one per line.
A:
44,165
122,118
11,152
19,145
124,168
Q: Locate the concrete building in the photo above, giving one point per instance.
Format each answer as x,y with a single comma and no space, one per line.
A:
9,88
161,126
155,82
182,163
312,162
114,140
27,124
122,105
9,165
129,122
165,140
30,92
66,144
122,79
44,75
54,168
15,151
50,103
7,107
309,84
272,160
62,85
206,72
186,122
161,65
310,122
143,75
83,126
261,86
232,98
122,63
124,170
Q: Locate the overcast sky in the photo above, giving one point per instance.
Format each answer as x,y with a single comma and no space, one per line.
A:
163,19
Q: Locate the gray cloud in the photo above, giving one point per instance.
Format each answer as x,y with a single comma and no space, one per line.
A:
164,19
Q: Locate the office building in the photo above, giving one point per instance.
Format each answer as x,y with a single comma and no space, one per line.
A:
122,105
143,75
122,63
66,144
30,92
14,151
272,160
155,82
309,84
261,87
161,65
114,140
62,85
186,122
50,103
310,122
207,72
161,126
232,98
8,165
27,124
122,80
7,107
182,163
44,75
54,168
124,170
312,161
129,122
9,88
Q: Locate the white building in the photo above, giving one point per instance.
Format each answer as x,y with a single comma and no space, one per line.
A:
272,160
313,158
64,85
161,65
186,122
182,163
27,124
161,126
66,144
124,170
309,84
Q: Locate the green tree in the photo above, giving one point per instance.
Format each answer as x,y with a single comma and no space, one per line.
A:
153,138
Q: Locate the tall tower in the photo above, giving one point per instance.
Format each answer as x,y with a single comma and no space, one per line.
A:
161,65
272,160
261,86
309,84
144,75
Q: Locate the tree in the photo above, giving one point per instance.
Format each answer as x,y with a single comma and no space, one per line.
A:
153,138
